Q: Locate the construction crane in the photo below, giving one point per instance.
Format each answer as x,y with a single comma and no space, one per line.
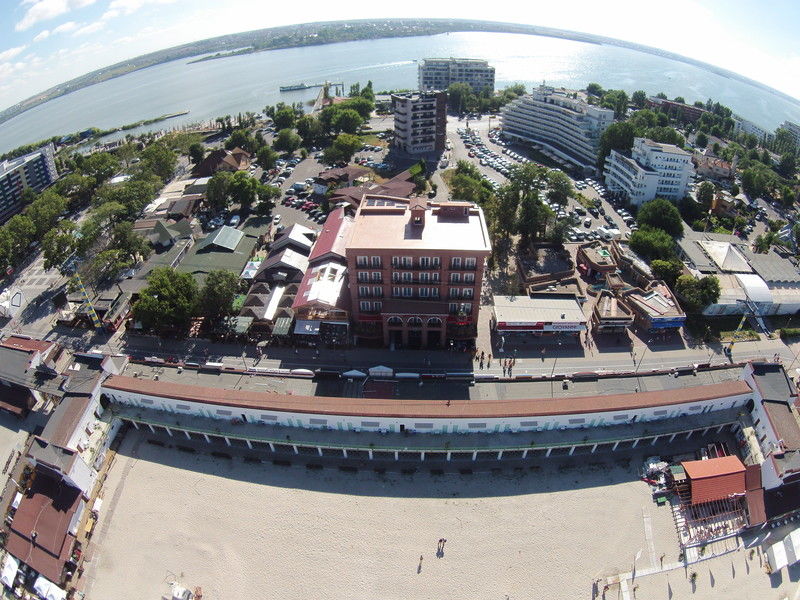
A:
87,302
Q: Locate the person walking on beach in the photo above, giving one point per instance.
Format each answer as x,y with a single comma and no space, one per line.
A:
504,369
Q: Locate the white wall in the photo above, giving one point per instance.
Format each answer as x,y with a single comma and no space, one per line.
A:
423,425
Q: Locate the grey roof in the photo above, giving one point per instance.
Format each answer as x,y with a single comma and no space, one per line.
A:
772,268
64,419
14,368
224,237
772,382
52,455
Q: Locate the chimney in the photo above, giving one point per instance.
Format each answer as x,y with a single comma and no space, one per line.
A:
418,213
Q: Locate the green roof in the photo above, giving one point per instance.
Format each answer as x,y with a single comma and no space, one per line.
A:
224,237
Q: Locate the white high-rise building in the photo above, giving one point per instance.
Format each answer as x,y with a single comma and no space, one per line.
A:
742,125
794,129
561,125
651,170
439,73
420,122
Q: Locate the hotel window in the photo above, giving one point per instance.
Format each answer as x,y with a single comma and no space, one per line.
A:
436,262
406,277
455,277
407,262
467,308
469,263
363,276
434,292
363,291
365,306
424,277
377,277
377,306
435,278
467,293
396,292
425,262
395,277
408,292
454,293
376,261
361,261
455,262
377,291
453,307
423,292
469,277
395,261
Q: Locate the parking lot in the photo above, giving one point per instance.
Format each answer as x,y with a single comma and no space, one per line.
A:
494,157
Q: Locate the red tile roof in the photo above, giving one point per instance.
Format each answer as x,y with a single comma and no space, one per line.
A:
26,345
756,508
46,509
333,238
715,478
405,408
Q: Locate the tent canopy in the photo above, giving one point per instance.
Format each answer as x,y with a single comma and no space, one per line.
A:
9,572
48,590
354,373
381,371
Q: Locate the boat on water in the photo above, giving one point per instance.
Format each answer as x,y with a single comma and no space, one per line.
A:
292,88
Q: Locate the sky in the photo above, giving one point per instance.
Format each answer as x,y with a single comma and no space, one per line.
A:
46,42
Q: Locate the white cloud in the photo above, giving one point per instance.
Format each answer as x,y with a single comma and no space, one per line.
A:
90,28
42,35
66,27
127,7
6,55
42,10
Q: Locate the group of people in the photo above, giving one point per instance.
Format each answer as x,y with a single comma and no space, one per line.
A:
483,358
508,364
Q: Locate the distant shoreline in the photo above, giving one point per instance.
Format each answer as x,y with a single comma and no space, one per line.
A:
323,33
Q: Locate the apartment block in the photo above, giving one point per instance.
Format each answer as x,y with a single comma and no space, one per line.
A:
742,125
651,170
420,122
415,271
33,171
794,130
559,124
439,73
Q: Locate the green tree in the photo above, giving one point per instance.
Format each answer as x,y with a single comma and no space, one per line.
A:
701,140
242,190
216,299
616,100
680,99
266,158
287,141
594,89
734,190
22,232
787,165
661,214
76,188
133,247
559,187
197,153
266,199
134,195
217,190
532,218
59,244
363,106
639,98
101,165
651,244
168,302
368,93
764,242
45,211
617,136
159,160
240,138
343,148
457,96
310,129
126,153
697,293
667,270
504,210
284,118
705,194
347,121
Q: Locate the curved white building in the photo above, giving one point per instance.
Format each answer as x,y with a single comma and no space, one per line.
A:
568,127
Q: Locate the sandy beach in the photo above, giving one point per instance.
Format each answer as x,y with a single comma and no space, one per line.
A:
242,531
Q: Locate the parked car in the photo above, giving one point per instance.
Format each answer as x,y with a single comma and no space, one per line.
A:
234,221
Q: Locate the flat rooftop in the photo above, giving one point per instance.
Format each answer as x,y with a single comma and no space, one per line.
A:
384,222
523,309
656,302
483,400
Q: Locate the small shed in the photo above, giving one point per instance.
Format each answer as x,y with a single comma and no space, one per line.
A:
715,479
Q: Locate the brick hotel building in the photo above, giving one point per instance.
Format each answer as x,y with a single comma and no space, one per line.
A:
415,271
